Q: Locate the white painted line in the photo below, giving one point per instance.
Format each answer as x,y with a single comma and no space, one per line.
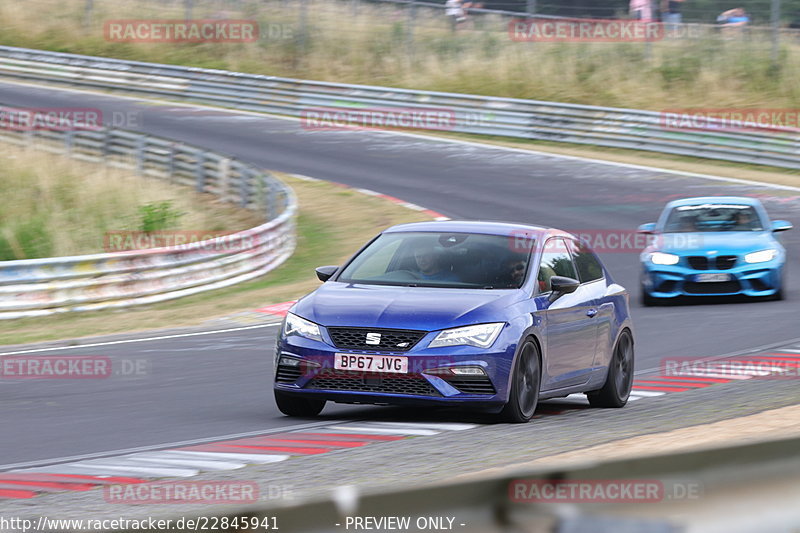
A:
144,339
384,431
645,393
451,426
111,470
170,459
168,445
709,374
787,350
255,458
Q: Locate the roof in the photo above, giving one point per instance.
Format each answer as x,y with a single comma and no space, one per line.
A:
469,226
742,200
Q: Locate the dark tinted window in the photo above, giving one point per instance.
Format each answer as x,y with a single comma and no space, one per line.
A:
589,268
556,261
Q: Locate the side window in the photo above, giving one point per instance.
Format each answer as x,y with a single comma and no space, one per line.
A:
556,261
589,268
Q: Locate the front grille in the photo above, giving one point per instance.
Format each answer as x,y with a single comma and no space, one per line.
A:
472,385
390,340
726,262
719,287
759,285
288,374
345,380
667,286
698,262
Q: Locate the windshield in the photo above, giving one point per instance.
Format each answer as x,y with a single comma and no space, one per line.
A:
713,217
452,260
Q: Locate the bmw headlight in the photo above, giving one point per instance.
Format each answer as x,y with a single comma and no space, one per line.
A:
661,258
761,256
294,325
480,336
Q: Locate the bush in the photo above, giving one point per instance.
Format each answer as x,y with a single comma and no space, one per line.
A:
158,216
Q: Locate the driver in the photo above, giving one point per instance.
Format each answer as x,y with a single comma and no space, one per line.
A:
744,219
516,272
430,264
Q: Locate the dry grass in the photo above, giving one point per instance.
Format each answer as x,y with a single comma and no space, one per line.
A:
53,206
371,48
333,223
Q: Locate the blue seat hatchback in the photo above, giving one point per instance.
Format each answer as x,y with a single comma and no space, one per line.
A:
479,315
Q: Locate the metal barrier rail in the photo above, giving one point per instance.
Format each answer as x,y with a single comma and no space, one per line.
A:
736,488
507,117
39,287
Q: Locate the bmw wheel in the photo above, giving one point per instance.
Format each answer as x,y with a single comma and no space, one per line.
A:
619,381
292,405
525,381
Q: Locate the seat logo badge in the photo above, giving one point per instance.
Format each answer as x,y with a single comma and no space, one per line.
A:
373,338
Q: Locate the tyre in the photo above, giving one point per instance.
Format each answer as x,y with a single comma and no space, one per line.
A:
525,381
645,298
619,381
292,405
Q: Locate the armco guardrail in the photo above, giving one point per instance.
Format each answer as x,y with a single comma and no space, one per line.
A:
747,487
38,287
507,117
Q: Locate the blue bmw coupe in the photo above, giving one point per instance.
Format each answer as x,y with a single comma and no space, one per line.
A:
717,245
485,316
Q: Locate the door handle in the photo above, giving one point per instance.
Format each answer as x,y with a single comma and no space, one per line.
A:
591,312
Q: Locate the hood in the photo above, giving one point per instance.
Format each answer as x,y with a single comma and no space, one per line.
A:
422,308
720,242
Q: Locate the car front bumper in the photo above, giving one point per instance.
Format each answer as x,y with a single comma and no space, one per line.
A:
757,279
316,376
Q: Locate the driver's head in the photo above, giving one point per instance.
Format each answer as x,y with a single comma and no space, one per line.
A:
427,258
516,270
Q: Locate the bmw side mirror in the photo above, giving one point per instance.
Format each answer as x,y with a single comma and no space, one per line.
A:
647,229
324,273
781,225
562,285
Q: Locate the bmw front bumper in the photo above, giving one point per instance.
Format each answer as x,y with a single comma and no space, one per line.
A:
756,279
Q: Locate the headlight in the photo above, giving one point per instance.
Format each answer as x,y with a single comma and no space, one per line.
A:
480,336
295,325
661,258
761,257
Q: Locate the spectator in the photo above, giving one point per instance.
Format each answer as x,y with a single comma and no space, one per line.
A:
455,12
671,10
641,10
735,17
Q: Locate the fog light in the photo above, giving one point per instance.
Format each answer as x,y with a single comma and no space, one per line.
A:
468,371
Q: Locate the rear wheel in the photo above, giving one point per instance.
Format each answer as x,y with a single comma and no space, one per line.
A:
292,405
619,381
525,380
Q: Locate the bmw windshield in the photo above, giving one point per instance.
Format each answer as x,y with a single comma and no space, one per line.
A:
449,260
713,217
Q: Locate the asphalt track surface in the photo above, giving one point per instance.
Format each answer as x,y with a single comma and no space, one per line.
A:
200,387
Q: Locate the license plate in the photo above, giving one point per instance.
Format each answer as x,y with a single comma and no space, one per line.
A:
706,278
371,363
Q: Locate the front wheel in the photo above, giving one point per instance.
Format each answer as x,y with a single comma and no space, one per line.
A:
292,405
525,380
617,388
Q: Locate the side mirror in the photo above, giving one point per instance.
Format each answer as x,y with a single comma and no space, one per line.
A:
647,229
562,285
781,225
324,273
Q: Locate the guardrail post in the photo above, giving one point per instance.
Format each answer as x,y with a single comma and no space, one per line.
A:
140,154
171,163
224,172
200,172
68,142
244,187
106,143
